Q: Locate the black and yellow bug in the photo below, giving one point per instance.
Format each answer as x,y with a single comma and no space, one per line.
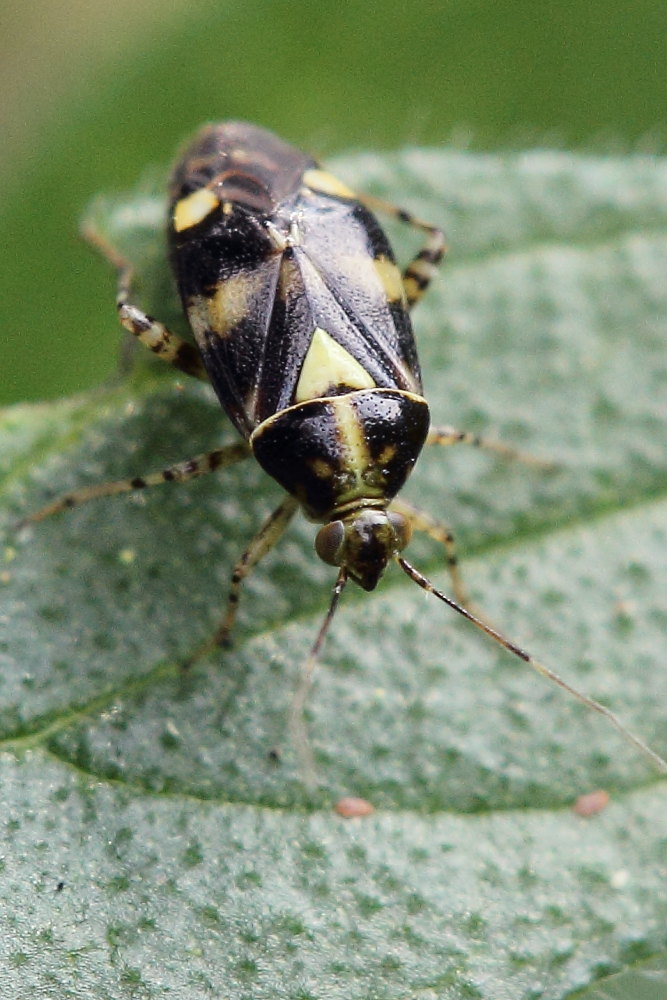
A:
302,325
301,318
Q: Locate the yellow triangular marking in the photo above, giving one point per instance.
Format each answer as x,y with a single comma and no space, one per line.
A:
328,367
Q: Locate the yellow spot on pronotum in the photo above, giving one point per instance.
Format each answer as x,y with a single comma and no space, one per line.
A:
391,279
321,468
325,183
387,454
328,366
193,208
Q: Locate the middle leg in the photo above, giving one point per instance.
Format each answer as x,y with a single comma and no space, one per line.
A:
210,461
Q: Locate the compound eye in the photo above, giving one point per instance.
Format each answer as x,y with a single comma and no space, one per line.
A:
402,529
329,543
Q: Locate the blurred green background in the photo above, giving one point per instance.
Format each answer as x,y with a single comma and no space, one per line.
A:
94,93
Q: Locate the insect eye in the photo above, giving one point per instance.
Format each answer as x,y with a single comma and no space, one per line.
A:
402,529
329,542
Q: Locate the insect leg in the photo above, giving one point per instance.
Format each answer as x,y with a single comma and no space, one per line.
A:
149,331
439,532
264,540
210,461
418,274
450,435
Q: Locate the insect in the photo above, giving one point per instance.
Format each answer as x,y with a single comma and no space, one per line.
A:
301,321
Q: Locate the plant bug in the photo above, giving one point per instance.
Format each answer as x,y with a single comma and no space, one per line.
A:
301,321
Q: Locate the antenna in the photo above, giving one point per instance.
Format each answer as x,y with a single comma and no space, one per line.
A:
297,726
536,665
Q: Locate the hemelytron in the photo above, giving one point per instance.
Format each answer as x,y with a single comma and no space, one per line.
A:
301,322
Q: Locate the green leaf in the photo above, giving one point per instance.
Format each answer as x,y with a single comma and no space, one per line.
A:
648,981
156,846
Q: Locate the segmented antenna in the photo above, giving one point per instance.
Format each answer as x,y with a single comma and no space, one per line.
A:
297,726
536,665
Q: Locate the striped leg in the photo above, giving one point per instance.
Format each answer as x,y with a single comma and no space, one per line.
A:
210,461
151,332
450,435
263,542
420,271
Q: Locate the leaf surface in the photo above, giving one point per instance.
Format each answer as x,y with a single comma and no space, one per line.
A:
157,831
